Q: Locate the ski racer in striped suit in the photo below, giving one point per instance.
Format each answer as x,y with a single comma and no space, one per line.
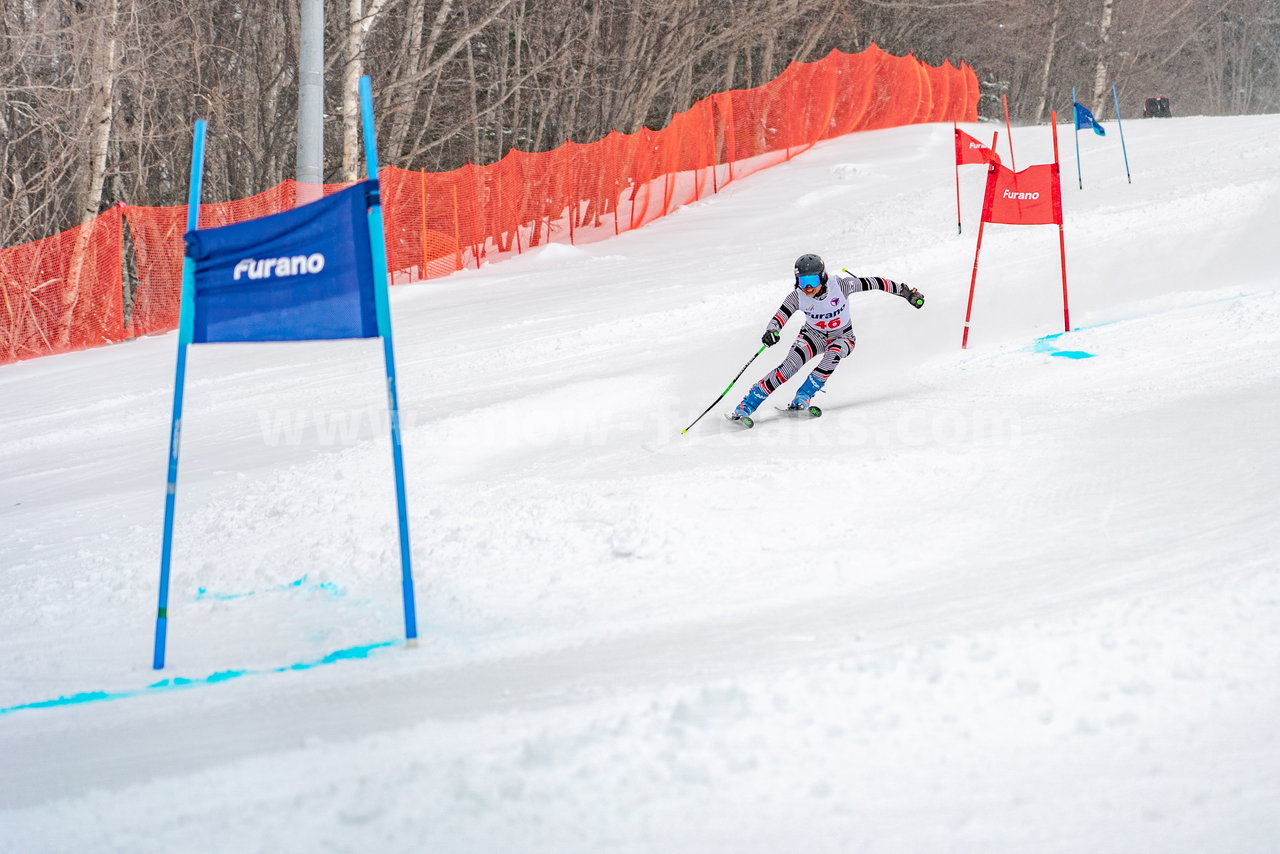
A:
824,300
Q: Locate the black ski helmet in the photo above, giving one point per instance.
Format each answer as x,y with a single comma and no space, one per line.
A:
810,265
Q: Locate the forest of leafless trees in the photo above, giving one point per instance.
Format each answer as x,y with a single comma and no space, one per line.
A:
97,97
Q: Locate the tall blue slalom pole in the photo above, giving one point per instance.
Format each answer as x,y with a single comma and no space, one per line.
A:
379,253
1116,100
186,324
1075,126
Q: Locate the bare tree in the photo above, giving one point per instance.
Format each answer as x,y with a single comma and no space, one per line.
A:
97,97
1100,68
1055,11
101,70
360,19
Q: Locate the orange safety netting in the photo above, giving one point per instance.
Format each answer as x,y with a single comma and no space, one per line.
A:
63,292
437,223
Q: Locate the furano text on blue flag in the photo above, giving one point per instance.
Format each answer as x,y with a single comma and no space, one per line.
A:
301,275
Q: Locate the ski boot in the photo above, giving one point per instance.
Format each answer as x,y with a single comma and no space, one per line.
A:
812,385
749,404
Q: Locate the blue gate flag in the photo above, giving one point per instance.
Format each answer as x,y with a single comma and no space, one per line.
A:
316,272
1085,119
302,275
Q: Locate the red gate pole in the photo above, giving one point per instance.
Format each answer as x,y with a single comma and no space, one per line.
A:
1009,129
1062,243
1062,250
955,132
968,312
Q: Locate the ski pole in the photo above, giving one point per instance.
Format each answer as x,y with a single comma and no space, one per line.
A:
763,347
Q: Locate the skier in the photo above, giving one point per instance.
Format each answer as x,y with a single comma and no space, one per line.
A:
826,332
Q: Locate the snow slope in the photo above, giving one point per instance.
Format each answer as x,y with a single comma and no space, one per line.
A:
1022,597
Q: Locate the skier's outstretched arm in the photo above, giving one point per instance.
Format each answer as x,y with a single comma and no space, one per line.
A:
857,284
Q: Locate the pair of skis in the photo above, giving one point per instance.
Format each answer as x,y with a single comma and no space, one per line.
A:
811,411
748,422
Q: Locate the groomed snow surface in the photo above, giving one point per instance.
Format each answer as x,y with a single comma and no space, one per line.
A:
1019,598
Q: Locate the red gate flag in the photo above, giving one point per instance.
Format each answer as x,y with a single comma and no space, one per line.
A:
1030,197
969,150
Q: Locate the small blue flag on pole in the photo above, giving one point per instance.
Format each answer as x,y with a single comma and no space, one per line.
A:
1085,119
302,275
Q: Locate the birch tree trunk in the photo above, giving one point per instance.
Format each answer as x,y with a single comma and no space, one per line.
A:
97,127
360,21
1100,70
1043,101
98,120
410,61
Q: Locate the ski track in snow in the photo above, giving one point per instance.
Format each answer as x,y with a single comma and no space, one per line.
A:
993,600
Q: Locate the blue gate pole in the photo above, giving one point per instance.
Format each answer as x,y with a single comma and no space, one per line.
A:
1116,101
186,323
1076,128
379,252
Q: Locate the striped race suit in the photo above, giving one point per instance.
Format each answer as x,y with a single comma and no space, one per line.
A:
826,329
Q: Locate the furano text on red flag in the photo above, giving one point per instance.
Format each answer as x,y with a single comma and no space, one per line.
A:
970,150
1032,196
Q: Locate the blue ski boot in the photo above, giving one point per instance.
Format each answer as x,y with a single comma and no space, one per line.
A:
749,404
812,385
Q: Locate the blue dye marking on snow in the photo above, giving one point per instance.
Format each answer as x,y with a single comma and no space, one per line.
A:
74,699
1043,345
224,675
1040,347
202,593
327,586
181,682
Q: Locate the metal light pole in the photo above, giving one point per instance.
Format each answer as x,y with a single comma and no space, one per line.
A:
311,102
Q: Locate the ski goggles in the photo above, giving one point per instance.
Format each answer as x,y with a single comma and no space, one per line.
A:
810,281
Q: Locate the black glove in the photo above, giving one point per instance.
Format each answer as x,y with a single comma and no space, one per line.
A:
913,296
770,338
